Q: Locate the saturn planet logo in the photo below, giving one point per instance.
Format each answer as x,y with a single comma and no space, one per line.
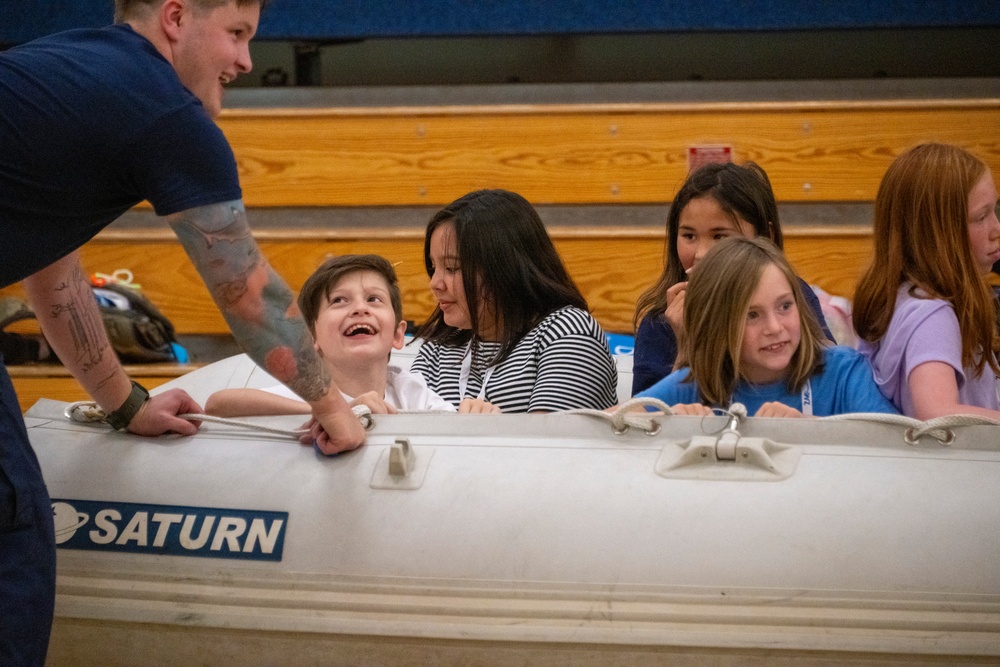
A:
67,521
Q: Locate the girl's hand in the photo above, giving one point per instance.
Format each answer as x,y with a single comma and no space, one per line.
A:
775,409
675,308
477,406
375,403
696,409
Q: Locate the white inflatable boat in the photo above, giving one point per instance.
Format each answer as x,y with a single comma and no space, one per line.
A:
513,540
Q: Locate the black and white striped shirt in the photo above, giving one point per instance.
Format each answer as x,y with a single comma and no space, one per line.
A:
563,363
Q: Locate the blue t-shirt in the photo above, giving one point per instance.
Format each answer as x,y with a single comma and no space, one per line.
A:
656,344
844,384
93,122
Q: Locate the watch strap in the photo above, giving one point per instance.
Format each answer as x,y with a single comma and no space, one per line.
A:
122,417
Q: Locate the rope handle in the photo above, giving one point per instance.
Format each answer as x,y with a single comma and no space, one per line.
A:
625,415
939,428
622,418
88,412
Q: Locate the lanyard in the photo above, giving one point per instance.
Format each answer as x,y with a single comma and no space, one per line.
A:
466,370
807,399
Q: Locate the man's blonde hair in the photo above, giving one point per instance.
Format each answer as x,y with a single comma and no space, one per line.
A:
130,9
715,312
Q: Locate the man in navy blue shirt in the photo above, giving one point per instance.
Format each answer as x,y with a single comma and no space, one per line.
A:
93,122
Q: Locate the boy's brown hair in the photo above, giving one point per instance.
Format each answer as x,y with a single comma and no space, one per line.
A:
322,281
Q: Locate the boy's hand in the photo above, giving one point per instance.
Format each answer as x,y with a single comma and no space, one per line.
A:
375,403
477,406
775,409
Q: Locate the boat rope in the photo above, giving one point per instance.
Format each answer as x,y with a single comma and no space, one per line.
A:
626,416
89,412
622,418
939,428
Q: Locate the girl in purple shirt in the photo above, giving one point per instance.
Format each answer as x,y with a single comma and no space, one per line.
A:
926,314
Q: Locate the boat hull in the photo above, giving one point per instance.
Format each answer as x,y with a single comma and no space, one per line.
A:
522,539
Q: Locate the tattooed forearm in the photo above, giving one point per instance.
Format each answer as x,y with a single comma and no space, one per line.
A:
283,342
86,329
219,242
71,321
312,379
256,302
106,379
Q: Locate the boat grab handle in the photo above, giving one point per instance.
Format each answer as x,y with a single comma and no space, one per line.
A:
401,466
728,457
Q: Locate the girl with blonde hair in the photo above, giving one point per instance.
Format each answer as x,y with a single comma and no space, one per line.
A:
715,202
927,316
752,339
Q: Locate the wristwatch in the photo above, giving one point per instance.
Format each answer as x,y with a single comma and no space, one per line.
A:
122,417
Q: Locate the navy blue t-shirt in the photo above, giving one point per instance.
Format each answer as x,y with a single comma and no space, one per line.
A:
93,122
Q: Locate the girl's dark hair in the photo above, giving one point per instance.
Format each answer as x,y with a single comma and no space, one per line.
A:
743,192
511,272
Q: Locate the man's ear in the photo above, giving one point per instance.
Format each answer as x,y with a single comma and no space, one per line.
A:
171,15
399,337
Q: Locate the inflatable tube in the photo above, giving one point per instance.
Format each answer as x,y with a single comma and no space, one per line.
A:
516,539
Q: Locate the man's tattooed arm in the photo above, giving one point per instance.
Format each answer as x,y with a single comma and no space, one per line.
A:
71,321
256,303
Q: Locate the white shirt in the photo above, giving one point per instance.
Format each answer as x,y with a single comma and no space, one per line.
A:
403,390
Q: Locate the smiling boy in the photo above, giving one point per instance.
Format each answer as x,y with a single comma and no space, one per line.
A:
354,310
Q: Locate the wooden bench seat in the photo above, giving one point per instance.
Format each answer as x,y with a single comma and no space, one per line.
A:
611,265
831,151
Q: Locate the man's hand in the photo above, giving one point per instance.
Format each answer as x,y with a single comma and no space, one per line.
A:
334,432
158,415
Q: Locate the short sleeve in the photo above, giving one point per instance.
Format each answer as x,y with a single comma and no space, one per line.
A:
673,389
422,363
936,338
859,391
817,308
574,371
184,161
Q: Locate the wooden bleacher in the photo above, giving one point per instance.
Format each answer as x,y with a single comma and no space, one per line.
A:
587,153
553,154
